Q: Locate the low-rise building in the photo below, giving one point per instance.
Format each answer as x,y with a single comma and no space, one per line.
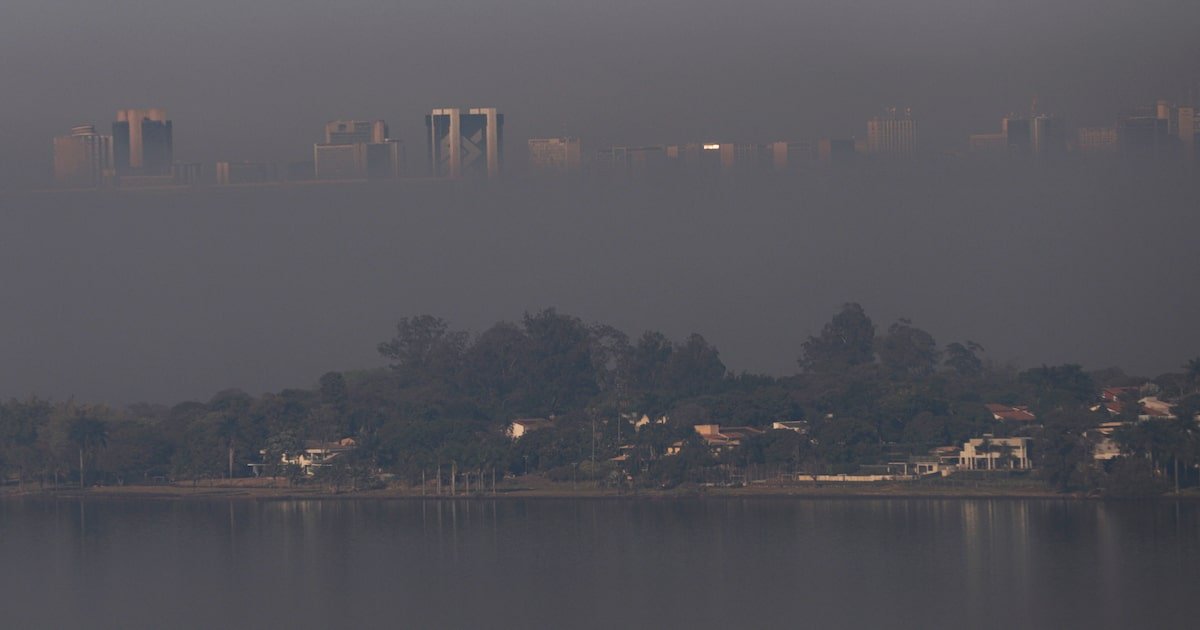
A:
314,456
993,453
720,439
523,426
1006,413
799,426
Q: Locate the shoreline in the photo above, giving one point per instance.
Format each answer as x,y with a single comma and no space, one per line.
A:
543,490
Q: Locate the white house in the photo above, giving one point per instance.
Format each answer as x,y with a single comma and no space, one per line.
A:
993,453
521,426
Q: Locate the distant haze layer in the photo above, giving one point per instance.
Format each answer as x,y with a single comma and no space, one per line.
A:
256,80
162,296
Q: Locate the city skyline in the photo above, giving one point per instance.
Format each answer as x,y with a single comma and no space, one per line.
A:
802,71
460,142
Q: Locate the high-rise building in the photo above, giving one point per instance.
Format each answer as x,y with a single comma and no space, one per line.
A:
1018,135
1047,135
83,159
1097,140
142,142
555,156
465,142
357,149
1142,135
1186,127
894,134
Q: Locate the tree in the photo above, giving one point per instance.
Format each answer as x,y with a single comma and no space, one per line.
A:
846,341
964,359
906,349
424,346
694,368
1059,386
561,372
87,434
334,391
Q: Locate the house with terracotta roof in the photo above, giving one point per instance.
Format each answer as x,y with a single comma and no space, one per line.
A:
1005,413
720,438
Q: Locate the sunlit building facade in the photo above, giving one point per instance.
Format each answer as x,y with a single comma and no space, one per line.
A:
555,156
143,142
894,134
83,159
464,143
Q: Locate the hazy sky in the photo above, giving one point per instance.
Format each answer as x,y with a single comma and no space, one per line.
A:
123,296
256,79
164,296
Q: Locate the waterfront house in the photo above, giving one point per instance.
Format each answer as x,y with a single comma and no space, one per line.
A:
993,453
314,456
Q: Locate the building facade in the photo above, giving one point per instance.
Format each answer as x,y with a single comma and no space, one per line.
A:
83,159
893,135
143,142
464,143
555,156
356,150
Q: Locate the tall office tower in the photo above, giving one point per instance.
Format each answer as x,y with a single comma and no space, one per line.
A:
357,149
555,156
894,134
1018,135
83,159
142,143
1164,110
1141,135
1185,126
1047,135
465,142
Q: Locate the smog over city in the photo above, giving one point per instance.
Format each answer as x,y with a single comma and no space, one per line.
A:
703,251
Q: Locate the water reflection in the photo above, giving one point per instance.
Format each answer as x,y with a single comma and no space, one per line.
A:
554,563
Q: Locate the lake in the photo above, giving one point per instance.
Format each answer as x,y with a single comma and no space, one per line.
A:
541,563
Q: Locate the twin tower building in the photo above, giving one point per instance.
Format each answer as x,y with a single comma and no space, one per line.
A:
460,143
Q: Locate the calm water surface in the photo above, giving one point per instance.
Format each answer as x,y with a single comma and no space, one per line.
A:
737,563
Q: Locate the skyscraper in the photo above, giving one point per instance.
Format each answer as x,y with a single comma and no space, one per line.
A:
894,134
1047,135
83,159
142,142
465,142
555,156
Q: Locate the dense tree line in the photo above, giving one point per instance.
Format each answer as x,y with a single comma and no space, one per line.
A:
868,396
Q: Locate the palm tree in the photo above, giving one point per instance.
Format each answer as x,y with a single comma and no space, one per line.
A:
87,434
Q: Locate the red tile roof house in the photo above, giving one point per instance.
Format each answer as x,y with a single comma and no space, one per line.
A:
719,439
1004,413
